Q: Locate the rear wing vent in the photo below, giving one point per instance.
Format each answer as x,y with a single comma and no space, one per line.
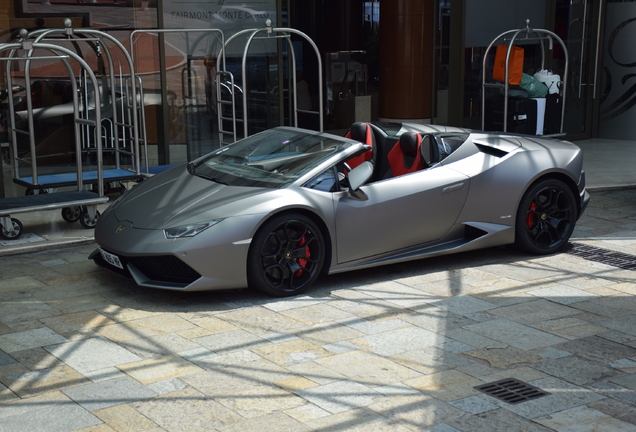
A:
491,150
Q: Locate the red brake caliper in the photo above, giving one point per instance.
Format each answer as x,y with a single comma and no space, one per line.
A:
531,215
302,261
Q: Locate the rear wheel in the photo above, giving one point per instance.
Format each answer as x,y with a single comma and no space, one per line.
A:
286,255
546,217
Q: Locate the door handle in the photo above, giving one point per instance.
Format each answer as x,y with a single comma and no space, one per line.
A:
453,188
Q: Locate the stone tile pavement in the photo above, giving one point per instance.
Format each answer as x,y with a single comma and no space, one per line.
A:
396,348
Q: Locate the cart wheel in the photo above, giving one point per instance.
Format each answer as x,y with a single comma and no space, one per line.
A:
85,219
31,191
106,188
17,230
71,214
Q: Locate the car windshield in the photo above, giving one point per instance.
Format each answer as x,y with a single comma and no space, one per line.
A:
274,158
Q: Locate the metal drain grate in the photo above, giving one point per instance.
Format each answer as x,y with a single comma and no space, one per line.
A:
511,391
603,256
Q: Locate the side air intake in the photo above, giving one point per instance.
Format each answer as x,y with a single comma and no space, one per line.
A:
472,233
491,150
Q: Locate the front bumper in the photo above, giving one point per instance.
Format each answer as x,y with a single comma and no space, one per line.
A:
159,271
214,259
584,196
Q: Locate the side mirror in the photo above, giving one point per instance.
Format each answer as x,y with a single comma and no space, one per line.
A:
359,176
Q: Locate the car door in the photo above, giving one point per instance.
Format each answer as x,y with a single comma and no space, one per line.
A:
398,213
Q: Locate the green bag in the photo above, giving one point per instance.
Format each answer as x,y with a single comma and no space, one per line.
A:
534,87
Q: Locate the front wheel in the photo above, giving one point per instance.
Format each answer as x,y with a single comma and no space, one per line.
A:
286,255
546,217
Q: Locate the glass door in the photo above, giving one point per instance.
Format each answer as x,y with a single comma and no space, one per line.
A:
618,92
578,23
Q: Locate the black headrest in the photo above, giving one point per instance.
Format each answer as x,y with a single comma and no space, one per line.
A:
408,143
359,132
426,149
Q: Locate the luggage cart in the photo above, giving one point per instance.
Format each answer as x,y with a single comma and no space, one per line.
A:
272,33
114,95
227,91
77,205
188,75
537,36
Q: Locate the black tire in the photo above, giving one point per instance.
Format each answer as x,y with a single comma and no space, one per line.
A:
18,230
546,217
85,219
286,255
71,214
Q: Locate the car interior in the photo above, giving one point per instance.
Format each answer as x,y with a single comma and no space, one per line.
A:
391,154
395,155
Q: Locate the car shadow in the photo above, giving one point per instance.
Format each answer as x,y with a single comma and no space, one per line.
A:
323,288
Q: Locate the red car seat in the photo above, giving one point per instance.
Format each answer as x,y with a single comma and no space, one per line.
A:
362,132
406,155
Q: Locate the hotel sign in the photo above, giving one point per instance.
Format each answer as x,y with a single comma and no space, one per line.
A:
231,16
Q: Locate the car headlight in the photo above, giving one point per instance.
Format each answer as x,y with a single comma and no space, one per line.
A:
189,230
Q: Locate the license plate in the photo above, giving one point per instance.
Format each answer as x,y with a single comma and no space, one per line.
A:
111,259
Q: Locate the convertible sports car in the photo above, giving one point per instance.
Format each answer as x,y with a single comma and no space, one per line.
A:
275,209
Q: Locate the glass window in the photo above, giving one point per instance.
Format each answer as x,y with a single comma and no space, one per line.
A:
326,181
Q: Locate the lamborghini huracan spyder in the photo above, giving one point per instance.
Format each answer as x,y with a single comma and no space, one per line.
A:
273,210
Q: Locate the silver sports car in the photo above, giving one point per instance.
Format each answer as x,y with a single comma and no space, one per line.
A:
275,209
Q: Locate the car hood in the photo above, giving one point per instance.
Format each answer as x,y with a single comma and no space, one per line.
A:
176,197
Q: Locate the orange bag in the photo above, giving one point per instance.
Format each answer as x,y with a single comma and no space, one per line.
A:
515,69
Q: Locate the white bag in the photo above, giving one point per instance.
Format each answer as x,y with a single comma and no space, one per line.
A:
551,80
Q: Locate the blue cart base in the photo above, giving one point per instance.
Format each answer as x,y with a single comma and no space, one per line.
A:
76,206
70,179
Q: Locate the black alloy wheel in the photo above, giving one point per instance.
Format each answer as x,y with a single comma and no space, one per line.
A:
546,217
286,255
